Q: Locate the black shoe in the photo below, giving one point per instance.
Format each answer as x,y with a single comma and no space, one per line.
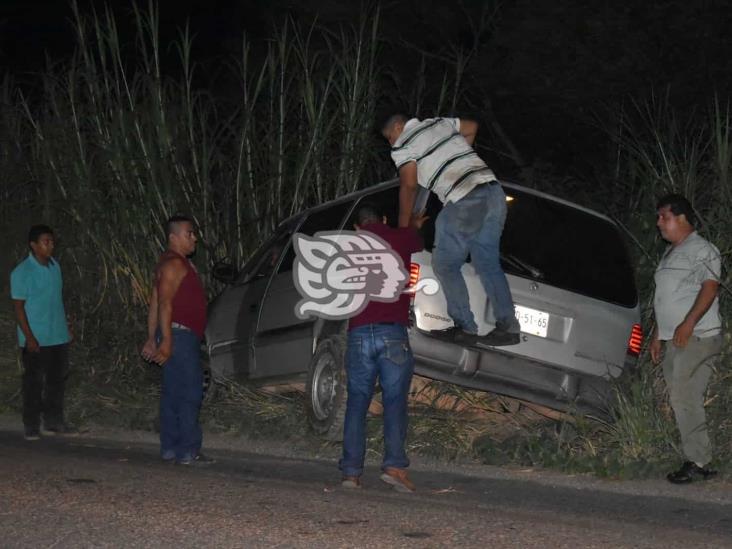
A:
498,338
200,460
690,472
454,335
31,433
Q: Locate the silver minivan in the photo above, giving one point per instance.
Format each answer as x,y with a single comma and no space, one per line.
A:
572,285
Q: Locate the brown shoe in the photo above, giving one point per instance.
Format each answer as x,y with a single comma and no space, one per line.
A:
398,479
351,483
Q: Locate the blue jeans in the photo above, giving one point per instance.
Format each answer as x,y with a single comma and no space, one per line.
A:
383,351
180,398
473,225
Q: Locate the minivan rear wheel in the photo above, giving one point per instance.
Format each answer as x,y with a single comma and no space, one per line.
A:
325,389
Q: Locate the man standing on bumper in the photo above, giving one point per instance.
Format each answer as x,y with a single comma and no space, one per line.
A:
378,347
176,322
688,328
36,287
437,154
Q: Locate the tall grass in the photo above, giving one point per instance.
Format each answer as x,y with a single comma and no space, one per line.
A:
661,150
111,145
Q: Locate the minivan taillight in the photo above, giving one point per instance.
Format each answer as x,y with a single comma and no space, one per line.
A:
635,340
413,278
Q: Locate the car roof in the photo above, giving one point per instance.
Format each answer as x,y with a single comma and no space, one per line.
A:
395,182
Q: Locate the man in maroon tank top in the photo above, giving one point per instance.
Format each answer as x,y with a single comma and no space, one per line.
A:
176,322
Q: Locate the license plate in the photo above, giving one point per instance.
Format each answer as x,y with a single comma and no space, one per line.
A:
532,321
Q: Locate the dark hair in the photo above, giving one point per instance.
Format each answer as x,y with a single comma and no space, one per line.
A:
678,205
387,117
172,222
37,230
368,213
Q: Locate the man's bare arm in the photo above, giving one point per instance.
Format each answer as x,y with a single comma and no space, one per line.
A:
31,343
171,274
150,348
655,345
468,129
407,192
152,313
703,301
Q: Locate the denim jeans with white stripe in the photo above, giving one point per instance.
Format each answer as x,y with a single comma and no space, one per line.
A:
377,351
473,225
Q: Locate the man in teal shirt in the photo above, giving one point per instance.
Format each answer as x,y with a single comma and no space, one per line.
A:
43,334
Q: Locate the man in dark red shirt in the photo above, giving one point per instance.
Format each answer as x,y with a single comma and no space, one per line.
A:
378,347
176,322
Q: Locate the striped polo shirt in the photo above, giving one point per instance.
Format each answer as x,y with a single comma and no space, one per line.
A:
446,164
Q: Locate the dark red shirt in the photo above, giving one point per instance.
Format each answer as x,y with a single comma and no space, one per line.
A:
404,241
189,302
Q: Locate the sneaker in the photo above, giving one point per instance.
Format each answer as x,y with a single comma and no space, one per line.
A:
499,337
455,335
60,429
351,483
31,433
200,460
690,472
398,479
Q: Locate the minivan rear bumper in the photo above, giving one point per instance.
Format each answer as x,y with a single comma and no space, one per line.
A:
511,375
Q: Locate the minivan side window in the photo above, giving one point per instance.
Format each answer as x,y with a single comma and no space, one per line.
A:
386,203
551,242
330,219
263,265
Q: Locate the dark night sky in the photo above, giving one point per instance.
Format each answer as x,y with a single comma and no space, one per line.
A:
30,28
548,68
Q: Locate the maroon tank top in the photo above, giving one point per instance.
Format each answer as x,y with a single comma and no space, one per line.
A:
189,302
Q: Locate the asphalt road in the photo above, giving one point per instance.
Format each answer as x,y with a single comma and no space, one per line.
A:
92,492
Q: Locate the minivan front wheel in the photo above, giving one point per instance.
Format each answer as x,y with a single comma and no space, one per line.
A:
325,390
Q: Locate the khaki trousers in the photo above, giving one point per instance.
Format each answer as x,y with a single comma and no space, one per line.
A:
687,372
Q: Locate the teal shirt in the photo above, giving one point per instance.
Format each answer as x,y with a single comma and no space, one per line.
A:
41,288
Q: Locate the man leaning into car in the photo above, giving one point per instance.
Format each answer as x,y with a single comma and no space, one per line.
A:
687,336
437,154
378,347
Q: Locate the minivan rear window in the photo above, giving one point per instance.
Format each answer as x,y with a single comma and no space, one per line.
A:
562,246
567,247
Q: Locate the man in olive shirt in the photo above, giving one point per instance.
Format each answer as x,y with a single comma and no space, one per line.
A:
36,289
687,337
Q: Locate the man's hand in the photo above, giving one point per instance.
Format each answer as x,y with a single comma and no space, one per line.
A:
32,345
418,219
682,333
655,349
149,349
468,129
165,349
